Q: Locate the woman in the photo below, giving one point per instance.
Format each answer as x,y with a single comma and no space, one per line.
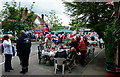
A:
8,53
72,57
83,49
93,44
72,53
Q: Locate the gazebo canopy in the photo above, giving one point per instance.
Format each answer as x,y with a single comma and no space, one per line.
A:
64,30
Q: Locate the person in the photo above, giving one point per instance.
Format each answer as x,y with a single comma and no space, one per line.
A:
74,44
72,57
47,42
23,50
101,43
78,38
40,48
72,53
92,44
61,53
86,41
60,39
7,45
30,35
36,36
41,44
93,41
83,49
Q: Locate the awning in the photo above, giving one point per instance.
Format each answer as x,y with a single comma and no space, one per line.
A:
64,30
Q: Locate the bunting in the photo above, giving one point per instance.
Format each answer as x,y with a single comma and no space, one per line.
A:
110,3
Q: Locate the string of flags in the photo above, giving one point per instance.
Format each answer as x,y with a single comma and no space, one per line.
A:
110,3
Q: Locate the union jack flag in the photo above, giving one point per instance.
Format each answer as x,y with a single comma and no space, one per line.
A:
54,38
46,28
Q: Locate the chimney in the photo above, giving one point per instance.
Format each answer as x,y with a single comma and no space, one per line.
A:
26,11
42,16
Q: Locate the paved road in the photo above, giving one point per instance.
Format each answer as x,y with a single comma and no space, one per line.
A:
40,69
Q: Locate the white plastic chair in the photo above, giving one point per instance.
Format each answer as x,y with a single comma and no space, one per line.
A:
59,62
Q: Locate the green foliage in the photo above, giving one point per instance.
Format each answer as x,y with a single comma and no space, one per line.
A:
97,15
111,39
54,28
78,26
53,20
12,37
110,42
92,14
13,14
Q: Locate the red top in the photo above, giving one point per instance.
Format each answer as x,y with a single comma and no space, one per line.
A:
82,46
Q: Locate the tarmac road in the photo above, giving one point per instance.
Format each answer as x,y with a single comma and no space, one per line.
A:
41,69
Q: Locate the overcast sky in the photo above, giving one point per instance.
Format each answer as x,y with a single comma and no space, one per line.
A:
44,7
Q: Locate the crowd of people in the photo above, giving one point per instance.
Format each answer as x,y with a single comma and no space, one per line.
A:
52,45
67,46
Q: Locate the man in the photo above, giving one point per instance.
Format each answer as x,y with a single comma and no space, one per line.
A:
23,50
61,53
74,44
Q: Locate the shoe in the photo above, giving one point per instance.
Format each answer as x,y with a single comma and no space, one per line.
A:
7,70
82,64
70,72
26,70
11,69
22,72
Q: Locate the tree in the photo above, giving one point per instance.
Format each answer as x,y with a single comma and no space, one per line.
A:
53,20
78,26
97,15
92,14
16,18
